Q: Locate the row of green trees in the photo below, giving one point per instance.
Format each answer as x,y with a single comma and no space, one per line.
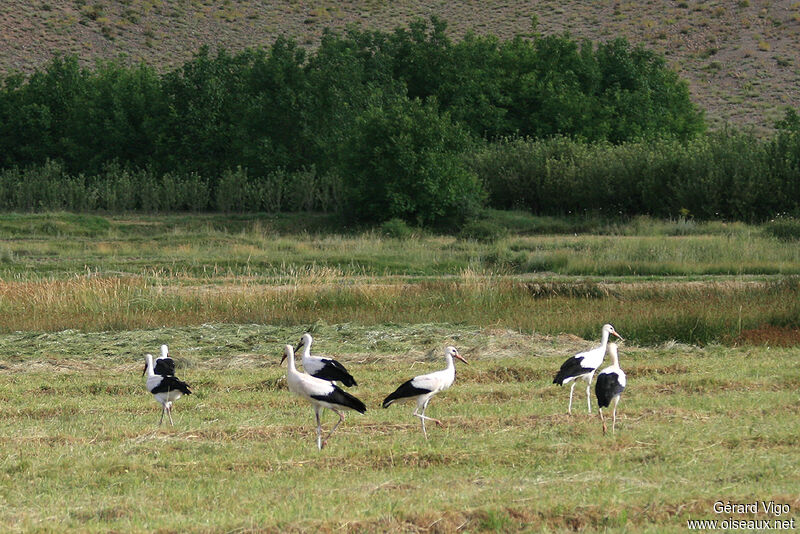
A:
378,125
385,119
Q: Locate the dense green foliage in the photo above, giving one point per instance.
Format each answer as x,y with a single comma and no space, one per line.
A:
222,130
417,152
726,175
377,125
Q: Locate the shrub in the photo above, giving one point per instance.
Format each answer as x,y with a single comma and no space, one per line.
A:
396,228
483,231
784,228
232,191
404,160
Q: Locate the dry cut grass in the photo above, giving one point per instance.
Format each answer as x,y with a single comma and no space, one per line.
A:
82,453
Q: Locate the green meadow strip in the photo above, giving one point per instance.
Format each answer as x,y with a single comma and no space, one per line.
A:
275,249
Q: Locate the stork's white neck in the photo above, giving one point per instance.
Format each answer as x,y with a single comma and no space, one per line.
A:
149,359
307,340
614,357
604,340
290,357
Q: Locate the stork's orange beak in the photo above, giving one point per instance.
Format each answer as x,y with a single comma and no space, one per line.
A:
457,355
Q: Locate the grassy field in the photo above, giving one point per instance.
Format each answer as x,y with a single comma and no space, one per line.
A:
82,451
83,298
281,248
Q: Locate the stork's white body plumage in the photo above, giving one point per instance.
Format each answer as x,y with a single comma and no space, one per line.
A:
583,365
165,389
423,387
611,382
324,368
321,394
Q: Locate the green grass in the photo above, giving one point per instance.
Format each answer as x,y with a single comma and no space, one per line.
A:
82,452
272,247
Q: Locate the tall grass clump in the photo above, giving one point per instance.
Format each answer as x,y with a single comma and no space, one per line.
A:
784,228
396,228
116,188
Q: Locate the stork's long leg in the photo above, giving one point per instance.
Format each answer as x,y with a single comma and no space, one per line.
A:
602,419
422,421
614,421
571,390
423,417
589,395
341,418
169,413
319,427
163,409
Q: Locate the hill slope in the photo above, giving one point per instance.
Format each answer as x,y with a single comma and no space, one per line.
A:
738,57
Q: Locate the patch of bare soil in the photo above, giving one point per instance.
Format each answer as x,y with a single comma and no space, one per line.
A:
775,336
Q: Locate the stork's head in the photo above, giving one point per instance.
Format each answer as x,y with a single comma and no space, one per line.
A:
305,341
453,352
610,329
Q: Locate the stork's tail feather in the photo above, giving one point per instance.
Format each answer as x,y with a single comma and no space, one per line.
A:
335,372
349,381
351,401
183,387
406,390
570,369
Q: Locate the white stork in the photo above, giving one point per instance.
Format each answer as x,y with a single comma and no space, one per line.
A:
422,388
582,366
321,394
163,365
610,385
165,389
324,368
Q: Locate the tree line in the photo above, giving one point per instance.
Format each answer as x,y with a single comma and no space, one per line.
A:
406,124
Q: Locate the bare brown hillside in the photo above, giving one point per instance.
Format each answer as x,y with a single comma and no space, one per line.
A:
739,57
